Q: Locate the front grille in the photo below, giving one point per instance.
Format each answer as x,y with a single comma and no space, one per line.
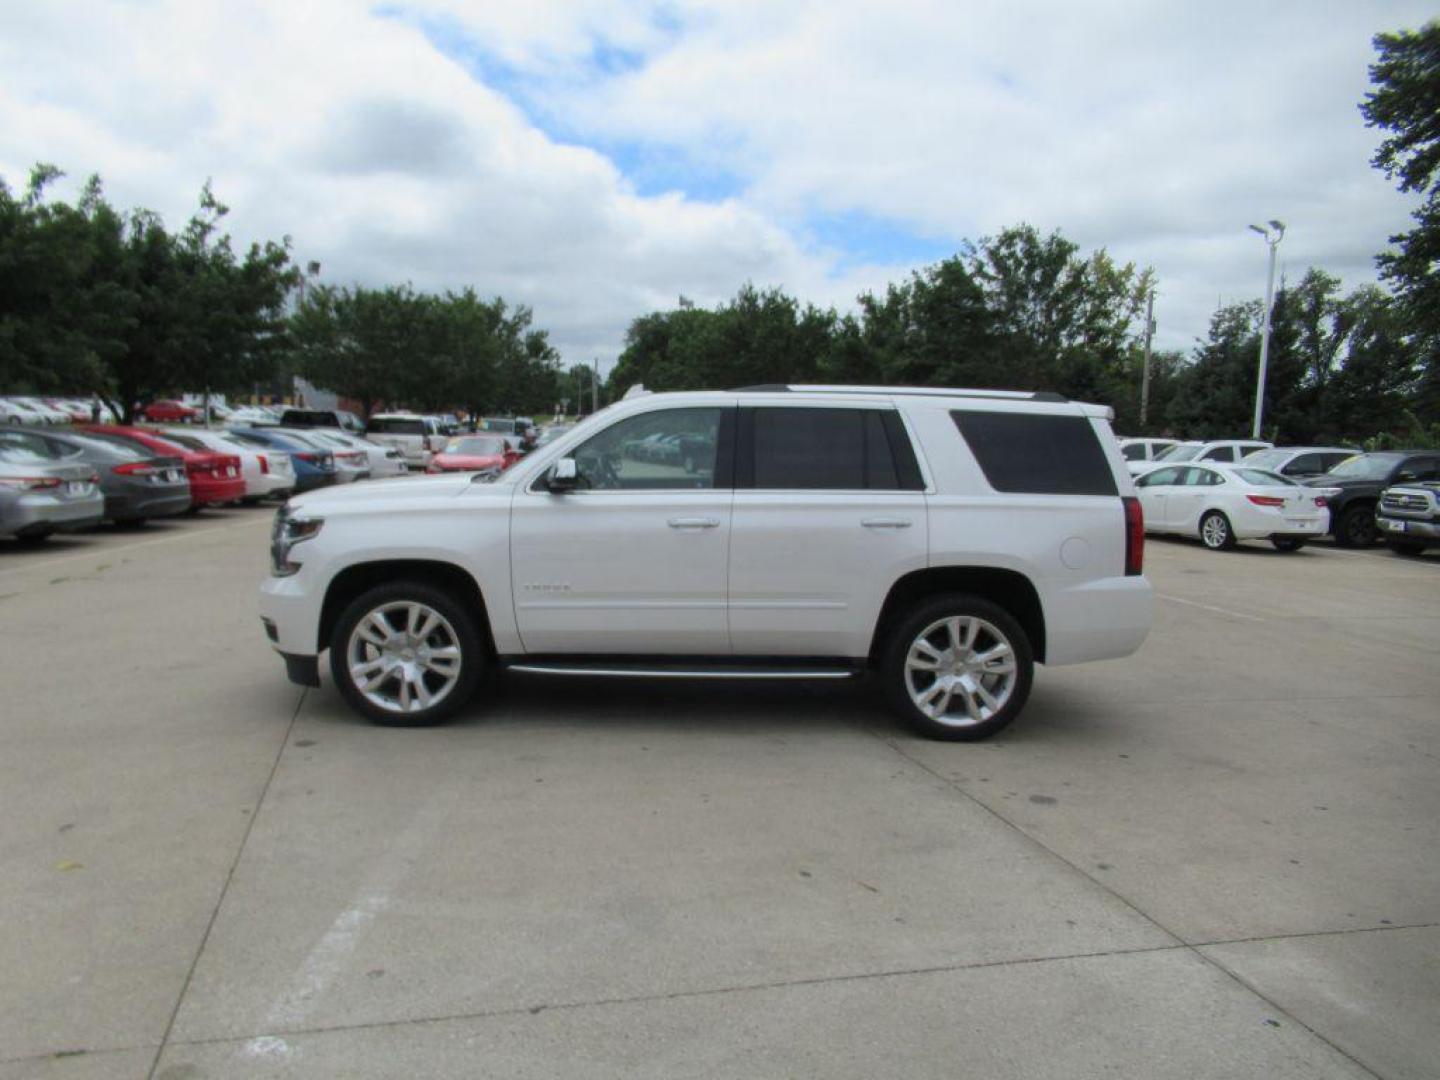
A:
1404,501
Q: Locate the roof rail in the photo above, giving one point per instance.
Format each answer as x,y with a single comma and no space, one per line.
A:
911,391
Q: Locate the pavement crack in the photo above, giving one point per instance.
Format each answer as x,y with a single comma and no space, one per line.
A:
680,995
225,888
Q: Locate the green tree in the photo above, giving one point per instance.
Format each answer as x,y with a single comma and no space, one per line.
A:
1406,103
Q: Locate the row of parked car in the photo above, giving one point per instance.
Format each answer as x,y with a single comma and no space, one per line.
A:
1228,490
70,476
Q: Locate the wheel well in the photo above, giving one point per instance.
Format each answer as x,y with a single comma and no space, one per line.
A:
1008,588
354,580
1366,502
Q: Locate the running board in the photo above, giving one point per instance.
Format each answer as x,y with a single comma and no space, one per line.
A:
685,670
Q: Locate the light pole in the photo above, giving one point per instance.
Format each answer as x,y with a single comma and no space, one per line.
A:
1273,233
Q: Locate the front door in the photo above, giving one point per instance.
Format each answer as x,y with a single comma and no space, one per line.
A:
634,559
1154,489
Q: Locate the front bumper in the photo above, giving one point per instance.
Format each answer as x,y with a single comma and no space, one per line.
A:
1408,528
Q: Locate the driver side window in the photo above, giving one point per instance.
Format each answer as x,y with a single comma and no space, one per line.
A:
657,451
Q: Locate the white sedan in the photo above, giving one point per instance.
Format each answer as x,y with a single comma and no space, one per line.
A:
1224,503
266,473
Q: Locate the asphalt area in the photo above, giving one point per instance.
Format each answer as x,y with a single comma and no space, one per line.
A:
1217,858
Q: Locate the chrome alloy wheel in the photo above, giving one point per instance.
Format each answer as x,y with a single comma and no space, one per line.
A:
1215,531
960,671
404,657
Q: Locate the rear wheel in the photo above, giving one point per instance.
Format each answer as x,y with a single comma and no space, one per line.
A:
406,654
1287,543
1215,531
1405,547
958,667
1356,527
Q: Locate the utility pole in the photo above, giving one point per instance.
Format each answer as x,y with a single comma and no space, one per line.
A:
595,387
1145,370
1272,234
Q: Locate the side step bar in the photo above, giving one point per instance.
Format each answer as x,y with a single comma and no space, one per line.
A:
684,670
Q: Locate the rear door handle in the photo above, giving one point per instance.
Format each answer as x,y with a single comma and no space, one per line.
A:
885,523
693,523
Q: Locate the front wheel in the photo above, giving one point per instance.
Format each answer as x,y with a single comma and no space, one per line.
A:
406,654
958,667
1356,528
1215,531
1287,543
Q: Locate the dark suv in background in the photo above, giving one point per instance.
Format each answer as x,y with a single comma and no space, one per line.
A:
322,418
1361,479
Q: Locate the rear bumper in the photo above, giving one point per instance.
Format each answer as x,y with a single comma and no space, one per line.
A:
311,481
1258,524
209,492
34,514
1103,619
147,504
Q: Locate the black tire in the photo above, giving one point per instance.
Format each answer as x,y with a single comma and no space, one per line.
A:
1216,532
34,539
1405,547
1356,527
1287,543
462,626
925,619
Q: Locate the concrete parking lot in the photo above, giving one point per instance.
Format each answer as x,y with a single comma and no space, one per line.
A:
1217,858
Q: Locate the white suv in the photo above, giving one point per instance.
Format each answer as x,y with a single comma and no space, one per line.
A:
944,539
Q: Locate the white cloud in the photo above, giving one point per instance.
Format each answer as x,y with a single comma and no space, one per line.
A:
1157,130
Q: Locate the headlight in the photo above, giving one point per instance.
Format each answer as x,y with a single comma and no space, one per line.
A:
286,533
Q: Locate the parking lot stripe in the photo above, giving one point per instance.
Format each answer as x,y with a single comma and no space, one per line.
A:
1211,607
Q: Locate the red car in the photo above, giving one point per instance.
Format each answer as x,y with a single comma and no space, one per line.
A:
214,478
474,453
170,412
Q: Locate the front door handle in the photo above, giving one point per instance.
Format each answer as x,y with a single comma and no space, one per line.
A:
885,523
693,523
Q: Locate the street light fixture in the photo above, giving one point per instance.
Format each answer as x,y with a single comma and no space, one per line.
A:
1272,233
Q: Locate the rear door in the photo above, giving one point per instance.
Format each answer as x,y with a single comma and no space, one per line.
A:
829,510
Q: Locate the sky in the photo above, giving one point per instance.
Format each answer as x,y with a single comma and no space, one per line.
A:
598,159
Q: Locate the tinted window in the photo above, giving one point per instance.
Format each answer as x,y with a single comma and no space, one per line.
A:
1219,453
1133,452
1302,465
395,426
1036,454
828,450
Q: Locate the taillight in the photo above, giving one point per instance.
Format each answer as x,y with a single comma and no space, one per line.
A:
311,458
134,468
1320,501
1266,500
30,483
1134,536
264,465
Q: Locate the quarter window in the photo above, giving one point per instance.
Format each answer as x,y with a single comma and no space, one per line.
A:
1037,453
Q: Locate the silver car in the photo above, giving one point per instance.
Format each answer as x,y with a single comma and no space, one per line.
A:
383,460
39,495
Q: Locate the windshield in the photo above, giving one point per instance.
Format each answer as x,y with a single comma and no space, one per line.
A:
392,425
477,445
1179,452
1262,478
506,427
1366,467
1267,459
23,448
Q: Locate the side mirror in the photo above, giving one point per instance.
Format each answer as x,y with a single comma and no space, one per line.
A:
562,476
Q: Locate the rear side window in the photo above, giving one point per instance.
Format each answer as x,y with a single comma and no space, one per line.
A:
395,426
1036,454
827,450
1133,451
